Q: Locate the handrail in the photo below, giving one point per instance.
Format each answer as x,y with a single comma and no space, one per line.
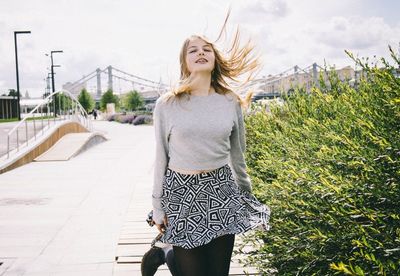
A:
76,107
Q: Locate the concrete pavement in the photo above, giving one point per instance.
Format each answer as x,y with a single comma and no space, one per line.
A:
65,217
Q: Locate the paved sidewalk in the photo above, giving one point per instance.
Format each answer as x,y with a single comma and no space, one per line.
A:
65,217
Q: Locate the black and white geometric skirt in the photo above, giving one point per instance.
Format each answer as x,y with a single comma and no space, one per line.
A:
202,207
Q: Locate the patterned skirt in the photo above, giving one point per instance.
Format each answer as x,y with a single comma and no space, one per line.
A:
202,207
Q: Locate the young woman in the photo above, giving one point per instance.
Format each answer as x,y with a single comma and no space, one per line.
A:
202,193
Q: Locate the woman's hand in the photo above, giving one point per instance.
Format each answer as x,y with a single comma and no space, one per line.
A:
161,227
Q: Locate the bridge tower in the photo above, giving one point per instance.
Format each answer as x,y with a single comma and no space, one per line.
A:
110,80
98,74
315,74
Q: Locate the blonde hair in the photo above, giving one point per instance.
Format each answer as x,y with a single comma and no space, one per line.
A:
238,61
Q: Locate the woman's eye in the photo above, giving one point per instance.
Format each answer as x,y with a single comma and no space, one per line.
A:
207,50
192,51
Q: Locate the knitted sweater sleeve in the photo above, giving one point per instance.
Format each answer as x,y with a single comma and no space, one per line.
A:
238,147
161,159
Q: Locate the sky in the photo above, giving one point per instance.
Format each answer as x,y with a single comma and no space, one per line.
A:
144,37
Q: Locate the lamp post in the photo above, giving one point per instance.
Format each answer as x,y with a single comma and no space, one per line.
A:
16,68
52,69
52,78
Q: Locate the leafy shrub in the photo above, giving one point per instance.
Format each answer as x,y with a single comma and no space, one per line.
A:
133,100
112,117
142,119
127,119
135,119
328,166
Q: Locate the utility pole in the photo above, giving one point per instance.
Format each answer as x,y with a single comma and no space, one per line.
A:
52,79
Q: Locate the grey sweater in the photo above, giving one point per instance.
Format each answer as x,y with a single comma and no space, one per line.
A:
198,133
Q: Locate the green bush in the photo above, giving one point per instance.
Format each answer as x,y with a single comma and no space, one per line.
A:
108,97
327,164
86,100
133,101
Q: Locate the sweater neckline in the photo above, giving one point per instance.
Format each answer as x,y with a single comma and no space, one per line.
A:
207,96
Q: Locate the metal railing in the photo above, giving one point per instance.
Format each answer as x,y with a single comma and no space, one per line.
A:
57,107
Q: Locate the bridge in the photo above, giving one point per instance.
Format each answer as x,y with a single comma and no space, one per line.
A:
271,86
121,82
149,88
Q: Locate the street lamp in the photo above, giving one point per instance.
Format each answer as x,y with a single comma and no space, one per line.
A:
16,67
52,69
52,77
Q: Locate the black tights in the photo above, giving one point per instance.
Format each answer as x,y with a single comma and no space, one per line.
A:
212,259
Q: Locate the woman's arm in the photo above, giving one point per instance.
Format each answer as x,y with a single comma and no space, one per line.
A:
161,160
238,147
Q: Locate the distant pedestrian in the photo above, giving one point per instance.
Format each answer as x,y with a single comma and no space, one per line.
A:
202,194
94,112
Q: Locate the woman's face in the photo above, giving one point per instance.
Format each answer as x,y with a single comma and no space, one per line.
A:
199,56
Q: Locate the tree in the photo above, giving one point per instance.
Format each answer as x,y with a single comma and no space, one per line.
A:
13,92
63,102
133,101
86,100
108,97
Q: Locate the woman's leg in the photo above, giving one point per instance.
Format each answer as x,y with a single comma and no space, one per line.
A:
171,263
191,262
219,253
212,259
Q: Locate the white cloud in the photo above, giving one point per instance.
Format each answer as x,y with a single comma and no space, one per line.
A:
355,32
262,11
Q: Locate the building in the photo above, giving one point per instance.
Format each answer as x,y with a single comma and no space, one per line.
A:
8,107
74,88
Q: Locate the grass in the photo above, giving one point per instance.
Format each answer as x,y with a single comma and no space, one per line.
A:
29,119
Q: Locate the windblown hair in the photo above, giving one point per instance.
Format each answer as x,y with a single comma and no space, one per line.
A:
238,61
